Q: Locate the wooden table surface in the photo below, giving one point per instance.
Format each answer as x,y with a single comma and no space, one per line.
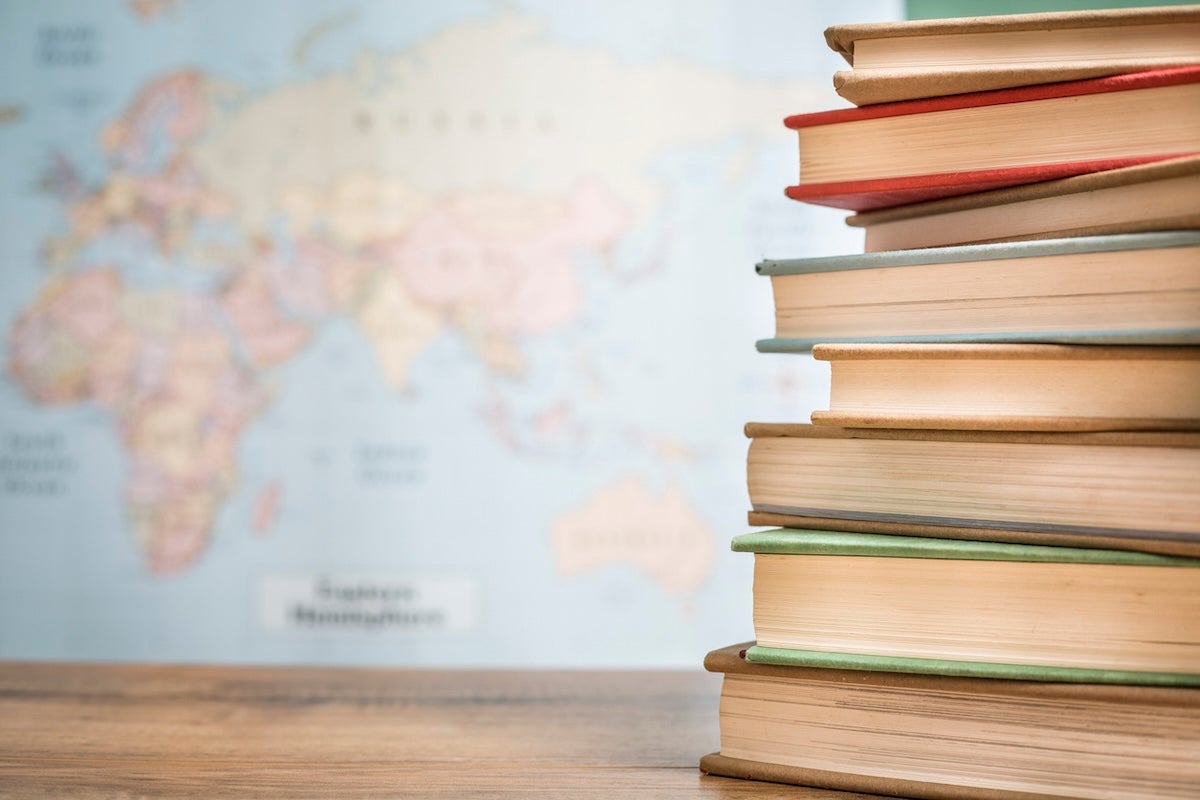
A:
91,730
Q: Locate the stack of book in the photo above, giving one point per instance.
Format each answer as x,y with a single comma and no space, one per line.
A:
984,574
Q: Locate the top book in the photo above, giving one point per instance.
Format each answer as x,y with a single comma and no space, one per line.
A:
929,58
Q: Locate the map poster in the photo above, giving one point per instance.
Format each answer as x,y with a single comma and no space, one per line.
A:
396,333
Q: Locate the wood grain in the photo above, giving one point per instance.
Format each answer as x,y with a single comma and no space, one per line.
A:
104,730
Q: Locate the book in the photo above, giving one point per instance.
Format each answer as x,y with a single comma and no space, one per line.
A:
1031,387
1161,196
925,58
1141,288
943,738
969,608
914,150
1133,490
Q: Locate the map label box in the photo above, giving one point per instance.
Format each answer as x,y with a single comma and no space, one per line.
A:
351,603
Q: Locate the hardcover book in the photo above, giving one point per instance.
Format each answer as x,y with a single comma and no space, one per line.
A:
966,608
925,58
1032,387
943,738
1161,196
1133,490
915,150
1128,289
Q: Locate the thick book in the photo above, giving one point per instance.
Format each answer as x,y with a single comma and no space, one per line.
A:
1133,490
893,61
1161,196
967,608
1029,387
915,150
944,738
1141,288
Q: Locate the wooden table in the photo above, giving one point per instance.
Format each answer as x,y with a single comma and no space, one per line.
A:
90,730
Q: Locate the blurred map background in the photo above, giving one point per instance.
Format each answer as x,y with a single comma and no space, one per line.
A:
394,332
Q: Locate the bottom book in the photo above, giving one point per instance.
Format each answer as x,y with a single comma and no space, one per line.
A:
927,736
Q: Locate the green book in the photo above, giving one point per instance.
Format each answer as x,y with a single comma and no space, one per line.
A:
973,609
1137,288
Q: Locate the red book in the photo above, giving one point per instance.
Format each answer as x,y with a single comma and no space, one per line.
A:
892,154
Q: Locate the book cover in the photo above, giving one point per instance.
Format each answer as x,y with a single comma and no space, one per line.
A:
946,738
881,155
869,194
842,543
973,253
977,532
786,657
1159,196
924,58
1175,76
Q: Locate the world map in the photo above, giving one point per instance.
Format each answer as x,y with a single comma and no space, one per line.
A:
437,325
